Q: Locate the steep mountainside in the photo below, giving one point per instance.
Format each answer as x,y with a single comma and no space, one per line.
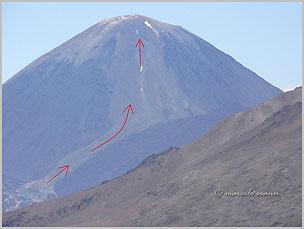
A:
254,152
68,100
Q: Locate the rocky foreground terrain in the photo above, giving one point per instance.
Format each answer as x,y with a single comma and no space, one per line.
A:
201,184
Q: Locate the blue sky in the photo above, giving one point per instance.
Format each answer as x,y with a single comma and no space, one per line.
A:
265,37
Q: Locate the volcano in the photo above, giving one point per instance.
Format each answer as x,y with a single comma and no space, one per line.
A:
69,100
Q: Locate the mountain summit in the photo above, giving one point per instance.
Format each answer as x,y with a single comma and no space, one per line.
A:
73,96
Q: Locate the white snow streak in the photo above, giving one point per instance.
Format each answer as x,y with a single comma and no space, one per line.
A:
148,24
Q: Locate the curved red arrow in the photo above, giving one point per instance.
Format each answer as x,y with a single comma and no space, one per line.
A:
128,108
139,44
64,167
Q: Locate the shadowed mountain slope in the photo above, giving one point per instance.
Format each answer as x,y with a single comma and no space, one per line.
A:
257,150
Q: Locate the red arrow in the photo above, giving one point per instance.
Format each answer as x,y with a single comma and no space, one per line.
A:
139,45
64,167
128,108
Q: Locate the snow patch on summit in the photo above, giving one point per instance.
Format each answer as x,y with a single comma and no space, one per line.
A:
148,24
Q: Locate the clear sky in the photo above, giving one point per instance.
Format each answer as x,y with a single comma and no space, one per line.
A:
264,37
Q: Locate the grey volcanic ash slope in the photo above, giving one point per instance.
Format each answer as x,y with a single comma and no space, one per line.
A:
259,150
74,95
